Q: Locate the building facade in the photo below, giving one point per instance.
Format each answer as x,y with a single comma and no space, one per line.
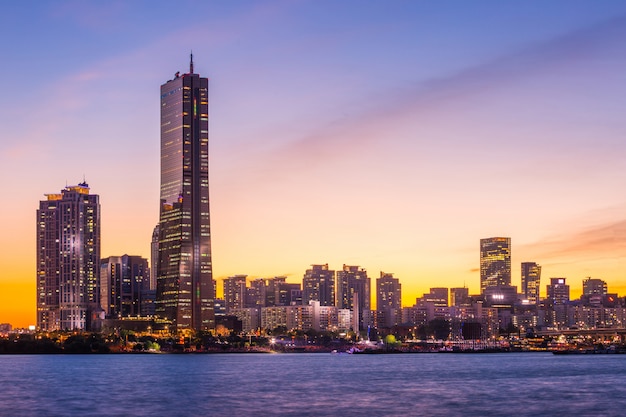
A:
531,278
389,299
154,257
557,301
124,282
318,284
184,271
353,292
594,286
235,293
68,260
459,297
495,262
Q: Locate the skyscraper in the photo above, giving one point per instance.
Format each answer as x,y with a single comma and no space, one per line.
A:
495,262
353,292
184,270
531,277
68,259
318,284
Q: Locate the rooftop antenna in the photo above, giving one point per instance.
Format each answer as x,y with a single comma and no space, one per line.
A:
191,64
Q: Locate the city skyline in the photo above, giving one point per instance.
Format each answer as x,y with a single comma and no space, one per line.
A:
392,137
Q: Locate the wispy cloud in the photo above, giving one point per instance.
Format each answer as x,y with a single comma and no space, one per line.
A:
422,100
604,241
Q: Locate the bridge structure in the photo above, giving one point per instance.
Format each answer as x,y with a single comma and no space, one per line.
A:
599,333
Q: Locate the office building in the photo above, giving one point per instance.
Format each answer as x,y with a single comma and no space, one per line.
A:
501,296
184,271
318,284
557,292
124,281
495,262
68,260
438,296
531,277
459,297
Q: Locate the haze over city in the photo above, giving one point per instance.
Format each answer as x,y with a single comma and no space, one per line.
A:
390,135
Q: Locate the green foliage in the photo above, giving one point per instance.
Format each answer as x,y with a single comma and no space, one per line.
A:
85,343
390,340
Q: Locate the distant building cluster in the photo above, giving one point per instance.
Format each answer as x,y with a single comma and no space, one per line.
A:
330,300
326,300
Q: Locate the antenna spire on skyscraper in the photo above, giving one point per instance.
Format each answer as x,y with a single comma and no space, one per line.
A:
191,63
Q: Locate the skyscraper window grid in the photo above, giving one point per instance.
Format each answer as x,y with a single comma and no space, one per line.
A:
184,268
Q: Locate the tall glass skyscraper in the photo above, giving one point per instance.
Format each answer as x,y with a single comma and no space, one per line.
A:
184,271
495,262
68,259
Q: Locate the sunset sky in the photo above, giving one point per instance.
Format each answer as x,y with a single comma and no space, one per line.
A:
393,135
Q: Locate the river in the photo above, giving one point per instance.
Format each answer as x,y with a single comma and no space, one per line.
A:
499,384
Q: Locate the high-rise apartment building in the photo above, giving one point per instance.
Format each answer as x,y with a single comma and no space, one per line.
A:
594,286
531,277
289,293
184,270
495,262
318,284
556,302
272,290
388,291
353,291
256,293
235,292
389,299
124,281
68,259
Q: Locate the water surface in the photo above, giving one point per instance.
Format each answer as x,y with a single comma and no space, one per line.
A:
502,384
